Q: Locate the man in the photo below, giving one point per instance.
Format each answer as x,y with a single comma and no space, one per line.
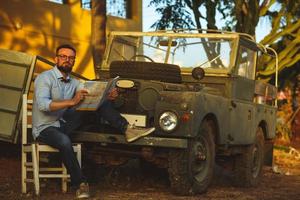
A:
54,116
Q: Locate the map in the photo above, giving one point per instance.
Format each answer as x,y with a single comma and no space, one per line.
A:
97,92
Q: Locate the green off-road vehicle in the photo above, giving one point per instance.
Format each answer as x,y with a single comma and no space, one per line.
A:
201,94
199,91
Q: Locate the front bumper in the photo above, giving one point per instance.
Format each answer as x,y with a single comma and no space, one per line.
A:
104,139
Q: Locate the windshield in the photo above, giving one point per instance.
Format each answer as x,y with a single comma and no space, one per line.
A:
212,54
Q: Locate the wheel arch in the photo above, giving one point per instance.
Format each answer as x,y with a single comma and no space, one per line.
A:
268,144
216,130
264,126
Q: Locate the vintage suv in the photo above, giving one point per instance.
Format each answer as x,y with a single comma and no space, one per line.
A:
200,92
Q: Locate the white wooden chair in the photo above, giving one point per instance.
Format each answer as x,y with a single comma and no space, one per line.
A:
31,170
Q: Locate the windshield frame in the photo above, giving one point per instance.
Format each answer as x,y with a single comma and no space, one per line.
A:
234,37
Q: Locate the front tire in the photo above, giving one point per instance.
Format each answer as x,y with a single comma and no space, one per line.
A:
191,170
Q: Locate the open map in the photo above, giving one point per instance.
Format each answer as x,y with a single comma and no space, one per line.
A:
97,92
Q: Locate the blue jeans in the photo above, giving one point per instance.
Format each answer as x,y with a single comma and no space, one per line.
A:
60,137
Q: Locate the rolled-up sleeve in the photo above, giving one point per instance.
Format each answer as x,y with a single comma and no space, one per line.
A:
79,85
42,92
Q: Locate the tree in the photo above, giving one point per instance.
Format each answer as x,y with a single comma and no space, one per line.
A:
244,14
241,16
174,15
285,35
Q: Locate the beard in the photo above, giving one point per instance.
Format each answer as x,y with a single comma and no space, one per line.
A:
64,68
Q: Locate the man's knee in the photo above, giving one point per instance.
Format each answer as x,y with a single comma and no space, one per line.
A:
65,143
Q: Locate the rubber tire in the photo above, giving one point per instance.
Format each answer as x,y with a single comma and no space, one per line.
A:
248,165
141,56
182,162
146,71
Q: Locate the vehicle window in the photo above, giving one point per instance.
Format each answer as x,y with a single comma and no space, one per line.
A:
212,54
122,48
246,62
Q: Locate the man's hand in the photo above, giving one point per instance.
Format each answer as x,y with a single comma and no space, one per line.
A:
79,96
113,94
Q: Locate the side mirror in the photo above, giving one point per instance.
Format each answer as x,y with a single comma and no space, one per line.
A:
198,73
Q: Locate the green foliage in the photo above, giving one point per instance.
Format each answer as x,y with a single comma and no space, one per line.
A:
241,16
226,10
187,14
284,37
283,125
174,15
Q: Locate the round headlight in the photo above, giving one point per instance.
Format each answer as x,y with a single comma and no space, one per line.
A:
168,121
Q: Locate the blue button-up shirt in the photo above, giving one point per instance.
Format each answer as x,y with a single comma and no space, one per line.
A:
48,87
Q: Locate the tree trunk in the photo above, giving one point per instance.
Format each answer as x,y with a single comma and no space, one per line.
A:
247,15
211,49
98,13
211,14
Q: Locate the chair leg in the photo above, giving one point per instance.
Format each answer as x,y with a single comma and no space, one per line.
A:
64,179
24,171
78,153
35,170
35,167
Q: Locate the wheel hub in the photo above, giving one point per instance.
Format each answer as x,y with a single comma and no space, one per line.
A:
200,154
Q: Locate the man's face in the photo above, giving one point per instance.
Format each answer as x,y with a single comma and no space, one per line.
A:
65,60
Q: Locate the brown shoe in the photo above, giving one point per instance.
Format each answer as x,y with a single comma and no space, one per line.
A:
83,191
133,133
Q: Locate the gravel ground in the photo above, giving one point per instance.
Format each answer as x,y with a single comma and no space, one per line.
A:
131,183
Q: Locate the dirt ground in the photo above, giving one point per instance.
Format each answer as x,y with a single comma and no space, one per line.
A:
282,182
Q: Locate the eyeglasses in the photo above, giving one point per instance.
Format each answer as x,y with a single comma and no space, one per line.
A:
65,57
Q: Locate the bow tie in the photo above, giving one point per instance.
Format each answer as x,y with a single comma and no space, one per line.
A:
65,80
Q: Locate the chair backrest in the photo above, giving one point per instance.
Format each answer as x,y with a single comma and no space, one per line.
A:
26,117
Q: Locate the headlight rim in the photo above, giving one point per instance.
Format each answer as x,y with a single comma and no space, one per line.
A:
177,121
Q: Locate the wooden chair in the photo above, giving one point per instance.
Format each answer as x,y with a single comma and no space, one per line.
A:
31,170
